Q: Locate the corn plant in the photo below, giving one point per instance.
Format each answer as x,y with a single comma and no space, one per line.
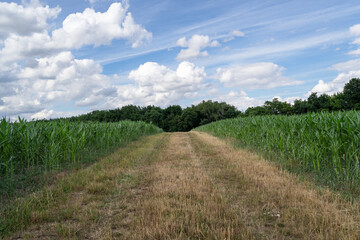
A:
50,145
317,141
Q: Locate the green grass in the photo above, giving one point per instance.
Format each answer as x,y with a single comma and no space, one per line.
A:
97,183
30,148
325,144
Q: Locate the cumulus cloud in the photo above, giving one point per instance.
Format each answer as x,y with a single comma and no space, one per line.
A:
336,85
96,28
23,21
194,46
50,113
156,84
55,79
322,87
80,29
240,100
17,48
87,28
255,76
290,100
348,70
44,114
37,69
355,31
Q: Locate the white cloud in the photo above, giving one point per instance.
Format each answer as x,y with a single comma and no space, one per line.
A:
17,47
155,84
23,21
50,113
37,70
55,79
322,87
355,52
237,33
351,65
240,100
87,28
44,114
233,34
194,46
290,100
356,41
254,76
350,69
95,28
182,42
276,48
355,30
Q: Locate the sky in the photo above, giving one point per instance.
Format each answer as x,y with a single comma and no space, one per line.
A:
66,58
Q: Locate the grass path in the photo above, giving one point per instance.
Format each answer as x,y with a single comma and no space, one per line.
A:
183,186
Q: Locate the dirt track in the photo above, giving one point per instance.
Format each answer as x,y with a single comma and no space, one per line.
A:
192,186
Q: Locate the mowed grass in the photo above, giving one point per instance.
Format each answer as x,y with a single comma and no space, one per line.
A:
182,186
273,203
326,145
78,205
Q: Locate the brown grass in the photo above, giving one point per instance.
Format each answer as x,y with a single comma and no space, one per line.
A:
188,186
276,204
183,202
85,204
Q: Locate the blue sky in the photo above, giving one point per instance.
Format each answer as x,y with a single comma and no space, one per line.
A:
63,58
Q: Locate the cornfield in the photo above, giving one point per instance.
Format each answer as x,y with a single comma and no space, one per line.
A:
49,145
316,141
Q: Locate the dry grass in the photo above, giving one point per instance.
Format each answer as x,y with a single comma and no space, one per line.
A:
276,204
183,202
188,186
85,204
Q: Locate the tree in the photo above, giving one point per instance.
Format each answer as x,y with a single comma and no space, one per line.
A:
300,106
189,119
131,112
171,118
255,111
210,111
277,107
352,94
337,102
154,115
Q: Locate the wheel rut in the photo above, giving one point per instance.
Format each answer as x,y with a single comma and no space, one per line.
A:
190,186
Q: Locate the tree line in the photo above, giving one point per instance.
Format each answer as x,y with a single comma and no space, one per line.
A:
170,119
348,99
174,118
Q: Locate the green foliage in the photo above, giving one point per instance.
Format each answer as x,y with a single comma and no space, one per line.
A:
50,145
174,118
170,119
348,99
276,107
317,141
352,94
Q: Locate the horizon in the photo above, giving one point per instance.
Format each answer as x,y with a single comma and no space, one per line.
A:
61,59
